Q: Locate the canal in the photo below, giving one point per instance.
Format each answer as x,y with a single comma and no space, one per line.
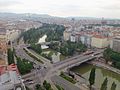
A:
101,74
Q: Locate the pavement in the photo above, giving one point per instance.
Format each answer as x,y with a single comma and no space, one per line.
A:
50,72
105,66
23,55
64,83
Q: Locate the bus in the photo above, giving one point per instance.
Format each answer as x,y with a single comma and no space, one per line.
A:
88,53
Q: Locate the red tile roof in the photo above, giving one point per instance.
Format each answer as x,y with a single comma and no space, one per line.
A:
2,70
11,67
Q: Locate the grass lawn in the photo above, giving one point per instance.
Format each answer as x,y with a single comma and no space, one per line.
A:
59,87
45,50
33,56
68,78
62,57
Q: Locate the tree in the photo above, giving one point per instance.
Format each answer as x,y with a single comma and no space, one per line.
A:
47,85
36,48
92,77
53,32
107,54
39,87
113,87
110,55
10,54
104,84
24,66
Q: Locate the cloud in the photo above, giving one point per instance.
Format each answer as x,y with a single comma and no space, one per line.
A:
8,3
114,6
97,8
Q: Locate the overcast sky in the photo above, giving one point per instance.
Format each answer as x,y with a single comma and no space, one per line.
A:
64,8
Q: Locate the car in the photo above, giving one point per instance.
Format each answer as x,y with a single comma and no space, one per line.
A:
31,82
28,80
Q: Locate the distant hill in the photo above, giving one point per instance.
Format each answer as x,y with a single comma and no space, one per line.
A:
23,15
43,16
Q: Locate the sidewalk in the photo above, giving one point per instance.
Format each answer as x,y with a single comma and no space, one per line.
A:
105,66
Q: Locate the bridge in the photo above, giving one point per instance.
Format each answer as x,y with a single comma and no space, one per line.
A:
74,62
54,69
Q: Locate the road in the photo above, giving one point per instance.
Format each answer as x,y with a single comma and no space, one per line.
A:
37,73
23,55
47,73
64,83
45,60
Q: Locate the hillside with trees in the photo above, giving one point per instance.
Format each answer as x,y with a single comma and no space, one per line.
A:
53,32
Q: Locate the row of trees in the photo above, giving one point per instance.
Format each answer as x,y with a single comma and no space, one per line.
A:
24,66
53,32
68,48
36,48
10,54
104,84
48,56
112,56
46,86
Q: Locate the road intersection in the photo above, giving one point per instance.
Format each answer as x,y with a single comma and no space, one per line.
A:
48,71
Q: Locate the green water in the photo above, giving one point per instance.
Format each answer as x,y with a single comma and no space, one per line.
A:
101,74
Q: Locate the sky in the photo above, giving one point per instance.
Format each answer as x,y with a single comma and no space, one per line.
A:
64,8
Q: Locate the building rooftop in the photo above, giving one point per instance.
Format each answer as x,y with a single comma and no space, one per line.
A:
3,31
9,77
12,67
100,36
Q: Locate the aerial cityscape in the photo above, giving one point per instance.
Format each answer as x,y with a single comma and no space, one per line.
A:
59,45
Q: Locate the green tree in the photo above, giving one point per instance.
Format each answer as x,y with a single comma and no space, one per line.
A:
10,54
36,48
27,88
110,55
53,32
24,66
39,87
47,85
106,55
113,87
92,77
81,47
104,84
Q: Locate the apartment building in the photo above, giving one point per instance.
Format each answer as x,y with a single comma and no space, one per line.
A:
9,35
10,78
3,52
67,35
99,41
115,44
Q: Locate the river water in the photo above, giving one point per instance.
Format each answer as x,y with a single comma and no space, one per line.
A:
101,74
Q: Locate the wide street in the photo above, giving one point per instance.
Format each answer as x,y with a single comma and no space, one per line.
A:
64,83
48,71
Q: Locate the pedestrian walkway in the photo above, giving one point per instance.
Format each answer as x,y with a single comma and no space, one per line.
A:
105,66
64,83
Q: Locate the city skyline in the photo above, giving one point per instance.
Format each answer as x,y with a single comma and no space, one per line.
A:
64,8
